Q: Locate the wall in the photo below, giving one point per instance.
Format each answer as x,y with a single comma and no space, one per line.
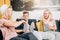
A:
36,14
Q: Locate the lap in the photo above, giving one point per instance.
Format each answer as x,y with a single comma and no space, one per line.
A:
57,35
29,36
21,37
17,38
26,36
45,35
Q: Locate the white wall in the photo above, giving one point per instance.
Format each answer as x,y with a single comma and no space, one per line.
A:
36,14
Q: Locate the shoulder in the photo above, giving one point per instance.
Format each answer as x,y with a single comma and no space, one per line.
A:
2,20
52,20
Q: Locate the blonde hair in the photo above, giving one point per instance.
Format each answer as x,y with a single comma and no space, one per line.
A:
4,14
50,13
47,10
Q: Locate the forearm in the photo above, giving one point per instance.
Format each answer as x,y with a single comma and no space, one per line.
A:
54,28
6,24
18,23
18,31
12,24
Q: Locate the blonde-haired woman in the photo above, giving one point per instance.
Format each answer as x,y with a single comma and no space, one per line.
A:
49,26
49,22
8,27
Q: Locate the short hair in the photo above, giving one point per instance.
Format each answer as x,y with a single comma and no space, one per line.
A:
26,12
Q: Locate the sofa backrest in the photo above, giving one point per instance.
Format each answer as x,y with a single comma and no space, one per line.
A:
34,20
57,24
29,22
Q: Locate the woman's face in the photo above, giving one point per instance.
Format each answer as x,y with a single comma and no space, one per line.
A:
46,14
8,13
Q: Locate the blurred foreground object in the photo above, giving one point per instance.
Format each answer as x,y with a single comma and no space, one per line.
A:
2,2
19,5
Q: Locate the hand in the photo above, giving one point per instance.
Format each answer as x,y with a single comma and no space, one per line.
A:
32,24
49,28
28,31
23,21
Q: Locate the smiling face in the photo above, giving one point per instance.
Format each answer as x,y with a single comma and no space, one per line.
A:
25,15
46,14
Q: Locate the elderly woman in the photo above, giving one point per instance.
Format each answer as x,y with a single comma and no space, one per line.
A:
8,27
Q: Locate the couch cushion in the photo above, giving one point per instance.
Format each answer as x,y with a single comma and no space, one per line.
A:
57,24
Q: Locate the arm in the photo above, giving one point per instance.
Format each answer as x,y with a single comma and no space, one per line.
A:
54,26
18,31
13,24
19,23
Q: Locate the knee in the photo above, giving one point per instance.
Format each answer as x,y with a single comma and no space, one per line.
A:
52,36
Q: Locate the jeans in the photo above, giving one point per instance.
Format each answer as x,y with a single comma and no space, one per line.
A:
26,36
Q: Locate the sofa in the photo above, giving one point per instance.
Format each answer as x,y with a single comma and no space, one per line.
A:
33,20
59,26
29,22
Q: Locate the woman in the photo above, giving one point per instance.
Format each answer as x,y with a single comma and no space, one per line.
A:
49,26
49,22
8,27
